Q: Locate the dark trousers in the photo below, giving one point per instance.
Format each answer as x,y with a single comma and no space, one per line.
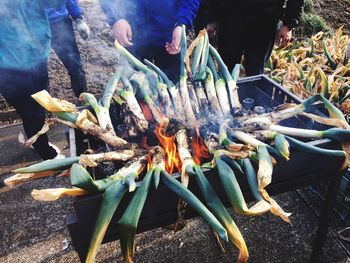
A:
17,88
170,64
64,44
252,37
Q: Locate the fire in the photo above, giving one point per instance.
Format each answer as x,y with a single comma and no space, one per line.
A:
172,158
149,162
199,150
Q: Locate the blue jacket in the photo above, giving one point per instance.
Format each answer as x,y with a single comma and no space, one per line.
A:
71,7
152,21
25,36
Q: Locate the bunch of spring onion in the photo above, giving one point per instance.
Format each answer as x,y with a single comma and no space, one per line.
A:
318,65
204,104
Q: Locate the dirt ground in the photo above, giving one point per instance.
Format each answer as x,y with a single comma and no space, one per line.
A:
335,12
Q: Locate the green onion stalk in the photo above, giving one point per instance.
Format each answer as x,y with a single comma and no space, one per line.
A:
140,82
173,91
335,134
190,117
113,194
213,201
196,58
265,170
204,58
211,93
231,84
83,120
162,88
237,150
218,209
129,97
129,220
139,66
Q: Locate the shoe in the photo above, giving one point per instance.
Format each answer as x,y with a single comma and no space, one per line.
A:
58,151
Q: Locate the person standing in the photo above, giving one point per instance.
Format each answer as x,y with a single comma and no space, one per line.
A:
64,43
152,28
250,28
25,39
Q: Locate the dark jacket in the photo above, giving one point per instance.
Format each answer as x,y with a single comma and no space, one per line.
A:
152,21
221,10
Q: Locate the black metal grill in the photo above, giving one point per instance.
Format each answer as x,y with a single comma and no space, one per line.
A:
160,208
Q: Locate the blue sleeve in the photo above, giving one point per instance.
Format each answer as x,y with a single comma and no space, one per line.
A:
118,9
52,3
187,11
74,9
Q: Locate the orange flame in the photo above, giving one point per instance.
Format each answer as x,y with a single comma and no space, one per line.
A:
199,150
172,158
149,162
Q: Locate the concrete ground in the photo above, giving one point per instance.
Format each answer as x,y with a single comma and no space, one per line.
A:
32,231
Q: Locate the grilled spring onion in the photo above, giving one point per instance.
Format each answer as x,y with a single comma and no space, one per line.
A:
218,209
231,84
195,203
162,90
101,111
334,134
111,199
186,102
211,93
184,153
140,82
234,193
128,95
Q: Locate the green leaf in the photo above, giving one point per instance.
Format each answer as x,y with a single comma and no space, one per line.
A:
81,178
304,147
156,177
282,146
194,202
231,186
251,178
49,165
128,222
219,210
111,199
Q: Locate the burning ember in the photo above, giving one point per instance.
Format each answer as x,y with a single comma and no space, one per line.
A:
172,158
199,150
202,106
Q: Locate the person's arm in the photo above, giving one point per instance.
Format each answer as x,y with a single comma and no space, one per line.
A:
289,21
77,14
186,13
119,13
74,9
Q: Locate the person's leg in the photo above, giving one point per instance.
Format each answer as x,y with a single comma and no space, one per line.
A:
261,38
17,88
170,64
230,41
64,44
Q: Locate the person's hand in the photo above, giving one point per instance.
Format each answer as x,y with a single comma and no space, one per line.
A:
122,32
213,29
284,36
173,48
82,28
